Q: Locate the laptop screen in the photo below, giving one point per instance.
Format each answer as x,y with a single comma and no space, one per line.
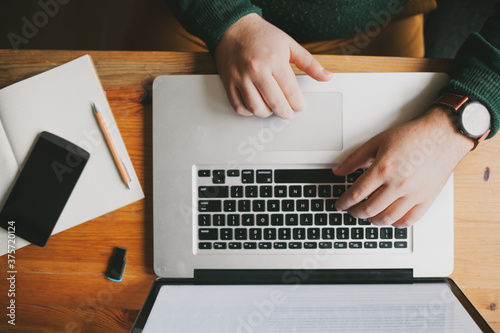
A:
418,307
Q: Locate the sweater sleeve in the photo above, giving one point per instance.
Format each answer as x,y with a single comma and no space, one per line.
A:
476,69
209,19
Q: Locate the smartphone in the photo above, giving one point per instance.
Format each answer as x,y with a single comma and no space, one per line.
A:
42,188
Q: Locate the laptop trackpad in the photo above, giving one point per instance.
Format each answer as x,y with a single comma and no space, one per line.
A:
318,128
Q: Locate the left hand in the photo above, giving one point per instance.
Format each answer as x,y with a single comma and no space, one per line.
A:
407,167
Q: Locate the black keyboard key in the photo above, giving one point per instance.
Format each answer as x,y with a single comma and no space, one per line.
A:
342,233
295,245
226,234
310,245
240,234
233,220
401,233
351,178
247,220
317,205
259,205
204,220
249,245
325,245
266,191
219,220
277,219
320,219
355,245
251,191
219,176
288,205
324,191
328,233
309,191
208,234
313,233
313,176
213,191
340,245
330,205
255,234
370,245
262,219
299,233
400,245
233,173
220,246
349,219
357,233
371,233
294,191
247,176
264,176
306,219
363,222
284,233
335,219
229,205
210,205
203,173
244,205
269,234
205,246
265,245
386,233
280,245
385,245
273,205
235,246
236,191
302,205
338,190
280,191
291,219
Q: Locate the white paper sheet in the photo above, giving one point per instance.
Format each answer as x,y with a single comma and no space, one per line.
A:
309,308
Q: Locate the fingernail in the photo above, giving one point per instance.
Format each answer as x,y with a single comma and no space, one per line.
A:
326,71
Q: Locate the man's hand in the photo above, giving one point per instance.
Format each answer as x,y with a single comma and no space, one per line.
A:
407,168
253,59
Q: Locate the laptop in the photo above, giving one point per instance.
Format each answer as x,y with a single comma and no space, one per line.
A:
246,236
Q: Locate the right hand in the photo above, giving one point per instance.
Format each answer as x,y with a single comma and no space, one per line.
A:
253,59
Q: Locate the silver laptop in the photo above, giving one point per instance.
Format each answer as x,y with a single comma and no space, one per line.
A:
245,194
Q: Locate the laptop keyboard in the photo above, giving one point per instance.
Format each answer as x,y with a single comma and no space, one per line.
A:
283,209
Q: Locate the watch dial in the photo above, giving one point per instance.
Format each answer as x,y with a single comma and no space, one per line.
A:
475,119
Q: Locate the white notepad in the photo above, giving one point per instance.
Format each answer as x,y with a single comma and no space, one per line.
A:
59,101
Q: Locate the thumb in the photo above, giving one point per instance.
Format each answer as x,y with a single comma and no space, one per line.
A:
307,63
360,158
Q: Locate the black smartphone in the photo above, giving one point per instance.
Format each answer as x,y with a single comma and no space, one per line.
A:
42,188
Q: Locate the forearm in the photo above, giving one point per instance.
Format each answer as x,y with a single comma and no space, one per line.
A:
209,19
476,69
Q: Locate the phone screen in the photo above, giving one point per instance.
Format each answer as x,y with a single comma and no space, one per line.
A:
42,188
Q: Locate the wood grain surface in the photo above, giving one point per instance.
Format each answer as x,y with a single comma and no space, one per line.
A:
63,287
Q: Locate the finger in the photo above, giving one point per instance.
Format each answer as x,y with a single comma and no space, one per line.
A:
378,202
395,211
360,158
307,63
236,101
288,83
253,100
363,187
274,97
412,216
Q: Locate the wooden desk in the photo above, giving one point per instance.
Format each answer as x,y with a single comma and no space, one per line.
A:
63,287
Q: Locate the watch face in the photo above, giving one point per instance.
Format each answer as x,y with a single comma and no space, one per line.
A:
475,119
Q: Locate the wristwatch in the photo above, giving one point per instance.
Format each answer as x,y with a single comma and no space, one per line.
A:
471,117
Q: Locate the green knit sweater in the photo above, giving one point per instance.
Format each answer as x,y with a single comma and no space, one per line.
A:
476,69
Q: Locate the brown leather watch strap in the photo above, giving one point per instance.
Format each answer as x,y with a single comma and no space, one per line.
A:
450,100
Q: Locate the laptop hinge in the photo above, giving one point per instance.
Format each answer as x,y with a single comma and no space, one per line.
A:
293,276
